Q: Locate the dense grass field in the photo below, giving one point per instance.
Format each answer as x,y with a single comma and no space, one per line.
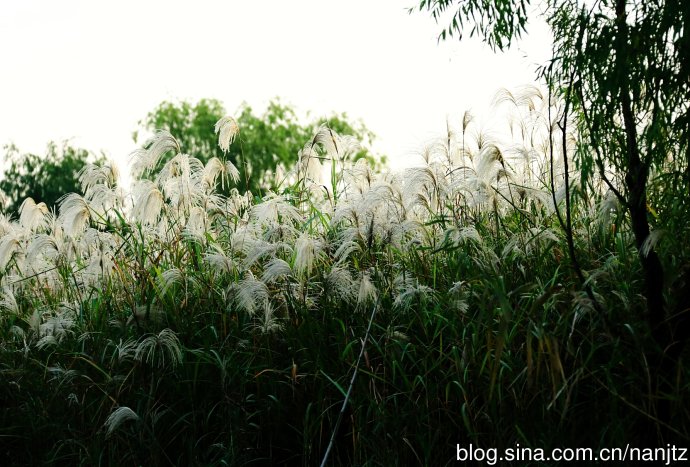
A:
178,326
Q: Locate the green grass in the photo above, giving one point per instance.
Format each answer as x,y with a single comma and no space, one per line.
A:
483,333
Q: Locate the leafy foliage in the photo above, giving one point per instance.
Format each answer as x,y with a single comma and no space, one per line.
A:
44,178
499,22
621,68
267,142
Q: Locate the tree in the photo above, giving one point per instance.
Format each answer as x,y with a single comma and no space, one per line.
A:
191,124
265,141
622,70
45,178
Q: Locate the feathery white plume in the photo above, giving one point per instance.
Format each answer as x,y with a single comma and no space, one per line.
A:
117,418
251,294
197,223
146,159
274,208
74,213
32,215
213,168
172,277
276,269
160,349
219,261
9,245
227,129
42,244
409,289
9,302
148,202
93,175
340,285
307,250
267,322
367,292
651,241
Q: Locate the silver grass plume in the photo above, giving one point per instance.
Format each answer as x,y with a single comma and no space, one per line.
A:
62,375
227,129
9,246
117,418
275,208
146,159
456,236
124,351
528,96
276,269
99,185
181,179
307,251
260,249
8,302
539,237
266,321
6,225
366,292
32,216
215,168
172,277
250,294
57,326
360,176
46,342
350,242
340,285
218,261
608,206
148,202
74,214
651,241
93,175
409,289
160,349
328,140
308,165
280,233
196,227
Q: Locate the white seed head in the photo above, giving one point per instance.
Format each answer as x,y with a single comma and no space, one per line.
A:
148,202
160,349
146,159
367,291
32,216
276,269
74,214
227,129
117,418
307,251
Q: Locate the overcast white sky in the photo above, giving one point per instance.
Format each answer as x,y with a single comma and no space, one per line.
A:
89,70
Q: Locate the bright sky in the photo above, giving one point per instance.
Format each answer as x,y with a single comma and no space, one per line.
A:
89,70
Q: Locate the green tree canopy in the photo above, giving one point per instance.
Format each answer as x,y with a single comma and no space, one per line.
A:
265,141
45,178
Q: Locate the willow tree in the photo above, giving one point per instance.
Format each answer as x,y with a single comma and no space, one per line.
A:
622,69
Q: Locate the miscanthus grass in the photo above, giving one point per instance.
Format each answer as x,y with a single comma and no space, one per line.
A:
174,325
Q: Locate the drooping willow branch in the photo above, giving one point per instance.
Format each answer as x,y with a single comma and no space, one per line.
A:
566,224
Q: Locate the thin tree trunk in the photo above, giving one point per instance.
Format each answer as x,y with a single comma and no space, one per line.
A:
636,182
637,172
